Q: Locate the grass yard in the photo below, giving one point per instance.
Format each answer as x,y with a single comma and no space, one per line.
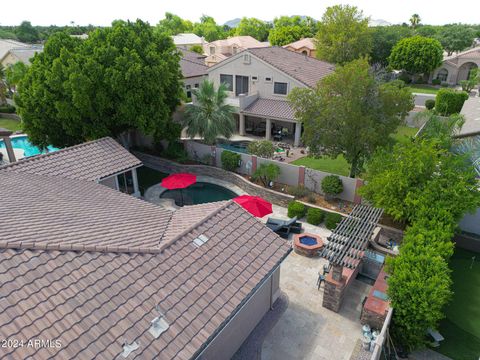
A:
148,177
461,328
12,125
424,89
404,134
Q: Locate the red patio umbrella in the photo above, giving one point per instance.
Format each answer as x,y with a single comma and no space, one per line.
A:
255,205
179,181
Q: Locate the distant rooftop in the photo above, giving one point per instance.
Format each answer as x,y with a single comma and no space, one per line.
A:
187,39
471,112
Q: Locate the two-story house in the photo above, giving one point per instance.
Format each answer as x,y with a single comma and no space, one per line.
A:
456,68
259,81
220,50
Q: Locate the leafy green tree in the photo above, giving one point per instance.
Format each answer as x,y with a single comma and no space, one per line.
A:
230,160
174,24
456,38
472,81
416,55
121,78
349,113
415,20
266,173
208,28
427,31
27,33
253,27
3,86
384,39
261,148
197,48
332,185
15,73
449,101
343,35
209,116
289,29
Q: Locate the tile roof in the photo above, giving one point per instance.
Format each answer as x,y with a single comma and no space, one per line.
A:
244,42
7,44
25,54
473,53
280,109
471,112
192,68
187,39
88,161
93,301
303,68
302,43
193,56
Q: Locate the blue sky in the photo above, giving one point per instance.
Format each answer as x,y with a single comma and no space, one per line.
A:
102,12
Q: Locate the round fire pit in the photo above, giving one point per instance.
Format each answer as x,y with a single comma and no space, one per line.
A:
307,244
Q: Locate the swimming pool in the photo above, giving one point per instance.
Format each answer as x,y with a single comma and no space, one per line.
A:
238,146
22,143
199,193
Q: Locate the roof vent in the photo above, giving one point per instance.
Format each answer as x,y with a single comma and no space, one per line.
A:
200,240
128,348
159,326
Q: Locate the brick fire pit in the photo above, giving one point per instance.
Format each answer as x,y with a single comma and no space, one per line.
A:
307,244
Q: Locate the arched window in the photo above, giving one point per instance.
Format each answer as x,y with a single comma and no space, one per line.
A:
305,52
442,75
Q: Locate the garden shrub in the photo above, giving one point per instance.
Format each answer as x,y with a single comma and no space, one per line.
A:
175,151
449,101
297,209
262,148
405,78
430,104
266,173
298,191
332,185
332,219
7,109
315,216
436,82
230,160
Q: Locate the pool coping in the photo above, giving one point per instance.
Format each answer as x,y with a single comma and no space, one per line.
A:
152,194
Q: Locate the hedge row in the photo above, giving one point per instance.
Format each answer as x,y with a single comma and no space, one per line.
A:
314,216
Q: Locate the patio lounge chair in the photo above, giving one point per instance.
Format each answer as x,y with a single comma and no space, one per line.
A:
282,231
294,226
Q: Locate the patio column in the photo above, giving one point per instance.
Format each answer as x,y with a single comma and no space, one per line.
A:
9,148
136,189
298,133
241,129
268,130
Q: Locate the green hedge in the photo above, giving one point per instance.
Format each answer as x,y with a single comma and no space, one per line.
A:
230,160
449,101
7,109
332,219
315,216
297,209
430,104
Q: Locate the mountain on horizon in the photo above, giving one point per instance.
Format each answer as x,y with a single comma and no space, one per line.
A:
233,23
379,22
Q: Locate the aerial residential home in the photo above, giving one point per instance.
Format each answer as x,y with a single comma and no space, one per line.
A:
259,80
90,272
187,40
456,68
194,70
222,49
7,44
304,46
22,54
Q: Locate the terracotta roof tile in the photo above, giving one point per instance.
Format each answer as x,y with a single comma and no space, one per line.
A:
271,108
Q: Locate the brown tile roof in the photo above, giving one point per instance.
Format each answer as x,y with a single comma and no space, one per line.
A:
90,161
193,56
192,68
280,109
302,43
303,68
93,301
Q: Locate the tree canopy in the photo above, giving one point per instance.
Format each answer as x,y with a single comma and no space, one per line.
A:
253,27
287,29
456,38
173,24
384,39
15,73
343,35
350,113
27,33
121,78
208,28
416,55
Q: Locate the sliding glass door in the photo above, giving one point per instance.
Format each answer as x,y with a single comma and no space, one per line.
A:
241,85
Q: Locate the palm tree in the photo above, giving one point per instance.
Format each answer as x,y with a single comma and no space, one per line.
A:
415,20
3,86
209,116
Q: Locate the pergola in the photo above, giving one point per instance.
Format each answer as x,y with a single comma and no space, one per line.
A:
347,243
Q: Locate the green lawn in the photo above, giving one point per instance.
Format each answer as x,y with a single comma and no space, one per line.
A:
461,328
148,177
425,89
339,165
9,124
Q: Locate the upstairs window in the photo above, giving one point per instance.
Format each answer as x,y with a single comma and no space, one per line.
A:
212,50
280,88
227,80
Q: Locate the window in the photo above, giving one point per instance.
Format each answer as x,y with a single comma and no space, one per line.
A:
268,79
246,59
254,78
305,52
280,88
188,87
227,80
241,85
196,86
442,75
212,50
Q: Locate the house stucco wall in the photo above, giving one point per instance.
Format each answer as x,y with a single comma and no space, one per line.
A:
256,67
227,342
110,182
9,60
457,67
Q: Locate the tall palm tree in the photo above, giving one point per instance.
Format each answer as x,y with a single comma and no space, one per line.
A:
3,86
209,116
415,20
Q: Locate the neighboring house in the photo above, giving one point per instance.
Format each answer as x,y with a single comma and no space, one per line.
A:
187,40
94,273
22,54
259,81
7,44
220,50
456,68
304,46
103,161
194,70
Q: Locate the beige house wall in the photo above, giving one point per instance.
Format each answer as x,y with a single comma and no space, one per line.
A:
458,67
9,59
303,50
110,182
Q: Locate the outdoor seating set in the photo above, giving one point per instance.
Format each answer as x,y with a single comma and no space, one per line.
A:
284,227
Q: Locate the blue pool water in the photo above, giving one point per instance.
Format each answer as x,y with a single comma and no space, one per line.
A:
21,142
308,240
240,147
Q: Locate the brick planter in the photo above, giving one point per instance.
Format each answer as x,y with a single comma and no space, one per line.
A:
307,250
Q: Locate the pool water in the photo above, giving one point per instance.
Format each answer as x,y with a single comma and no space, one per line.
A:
198,193
308,240
240,147
22,143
